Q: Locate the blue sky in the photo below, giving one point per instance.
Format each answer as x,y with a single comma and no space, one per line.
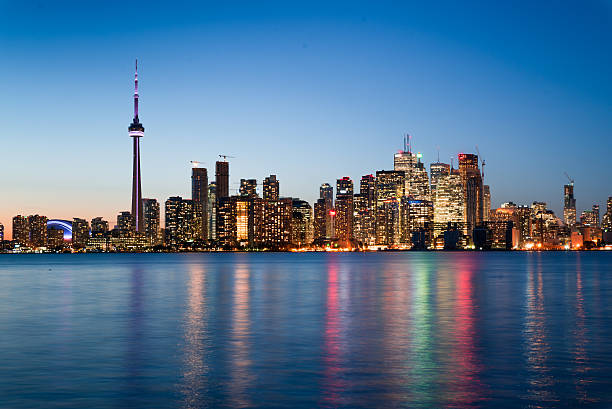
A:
308,91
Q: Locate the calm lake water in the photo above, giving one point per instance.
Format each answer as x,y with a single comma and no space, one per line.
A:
306,330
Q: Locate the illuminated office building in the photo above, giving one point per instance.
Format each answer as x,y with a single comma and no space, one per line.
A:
1,232
199,193
212,214
152,221
183,221
365,210
486,201
320,219
390,187
271,189
272,220
226,222
416,183
248,187
344,210
326,192
80,233
523,219
449,204
437,170
420,222
301,223
472,190
55,238
607,217
569,205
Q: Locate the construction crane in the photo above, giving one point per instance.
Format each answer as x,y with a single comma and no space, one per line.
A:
482,161
569,178
225,157
196,163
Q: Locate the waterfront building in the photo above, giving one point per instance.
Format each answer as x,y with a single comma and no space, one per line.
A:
226,222
272,220
212,214
366,212
301,223
472,190
21,230
136,131
271,189
38,231
326,192
419,223
183,221
390,187
437,170
55,238
99,227
248,187
152,221
416,182
80,233
1,233
569,205
344,211
502,226
125,223
486,191
199,193
523,220
320,219
449,204
222,179
589,218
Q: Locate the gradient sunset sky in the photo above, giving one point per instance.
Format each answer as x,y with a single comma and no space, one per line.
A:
308,91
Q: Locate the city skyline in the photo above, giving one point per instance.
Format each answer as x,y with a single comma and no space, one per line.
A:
67,177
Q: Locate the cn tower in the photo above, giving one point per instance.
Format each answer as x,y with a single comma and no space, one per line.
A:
136,131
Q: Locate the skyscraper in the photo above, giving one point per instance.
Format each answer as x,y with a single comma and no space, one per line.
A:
436,171
212,214
125,223
344,209
301,223
486,202
183,222
199,193
80,233
326,192
151,220
569,205
222,179
271,190
38,230
99,227
449,203
21,230
1,233
472,190
390,187
320,218
136,131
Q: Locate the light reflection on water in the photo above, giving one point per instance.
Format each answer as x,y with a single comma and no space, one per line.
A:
306,330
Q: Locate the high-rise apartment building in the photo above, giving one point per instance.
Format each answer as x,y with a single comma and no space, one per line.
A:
248,187
320,219
183,221
472,190
38,230
199,193
344,210
152,221
271,189
212,211
420,222
301,223
390,187
569,205
366,211
486,202
326,192
80,233
99,227
607,217
222,179
21,230
125,223
1,233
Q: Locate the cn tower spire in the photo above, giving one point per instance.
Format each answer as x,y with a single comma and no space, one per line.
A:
136,92
136,131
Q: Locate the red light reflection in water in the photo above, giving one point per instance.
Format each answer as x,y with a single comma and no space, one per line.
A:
467,386
334,385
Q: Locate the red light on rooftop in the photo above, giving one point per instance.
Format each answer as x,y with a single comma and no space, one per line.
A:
332,212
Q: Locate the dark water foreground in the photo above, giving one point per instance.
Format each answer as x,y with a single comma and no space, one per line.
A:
306,330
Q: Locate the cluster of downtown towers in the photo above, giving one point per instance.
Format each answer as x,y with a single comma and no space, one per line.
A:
401,208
